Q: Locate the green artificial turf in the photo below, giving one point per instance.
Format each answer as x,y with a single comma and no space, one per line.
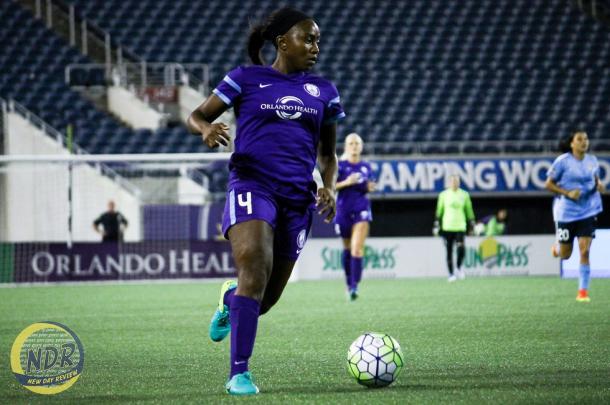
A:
482,340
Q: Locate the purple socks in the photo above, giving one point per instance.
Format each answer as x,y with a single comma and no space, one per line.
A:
244,313
346,259
353,269
356,272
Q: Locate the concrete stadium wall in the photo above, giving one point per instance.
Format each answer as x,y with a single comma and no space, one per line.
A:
132,110
35,196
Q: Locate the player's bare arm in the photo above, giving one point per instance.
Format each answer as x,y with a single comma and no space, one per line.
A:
349,181
554,188
201,122
371,186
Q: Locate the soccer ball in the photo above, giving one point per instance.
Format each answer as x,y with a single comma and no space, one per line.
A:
375,359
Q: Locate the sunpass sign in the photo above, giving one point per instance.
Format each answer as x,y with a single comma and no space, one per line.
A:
427,177
425,257
512,256
376,258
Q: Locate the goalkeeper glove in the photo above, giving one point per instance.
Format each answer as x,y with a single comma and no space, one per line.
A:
471,225
436,228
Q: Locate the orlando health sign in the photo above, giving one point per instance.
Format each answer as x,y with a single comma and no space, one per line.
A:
481,176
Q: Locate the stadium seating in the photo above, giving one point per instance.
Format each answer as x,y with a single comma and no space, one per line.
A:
33,61
421,71
419,76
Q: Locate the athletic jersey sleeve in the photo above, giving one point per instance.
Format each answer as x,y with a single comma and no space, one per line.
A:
596,170
333,111
230,88
557,168
468,208
440,206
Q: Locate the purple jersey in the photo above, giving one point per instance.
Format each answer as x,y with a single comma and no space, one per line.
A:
279,118
354,198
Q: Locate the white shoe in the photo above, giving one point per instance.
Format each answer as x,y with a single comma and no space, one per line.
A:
451,279
461,274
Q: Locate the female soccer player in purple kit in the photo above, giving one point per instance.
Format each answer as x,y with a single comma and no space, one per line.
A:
286,119
354,182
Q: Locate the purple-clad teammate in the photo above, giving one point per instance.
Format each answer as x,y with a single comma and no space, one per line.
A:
354,182
286,120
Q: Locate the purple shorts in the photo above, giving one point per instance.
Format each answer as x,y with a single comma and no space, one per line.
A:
345,221
290,225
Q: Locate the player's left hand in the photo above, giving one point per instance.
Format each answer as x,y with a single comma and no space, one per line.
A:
325,203
371,186
600,187
470,228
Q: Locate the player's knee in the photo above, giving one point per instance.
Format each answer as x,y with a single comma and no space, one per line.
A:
357,252
584,253
253,273
252,249
255,256
347,244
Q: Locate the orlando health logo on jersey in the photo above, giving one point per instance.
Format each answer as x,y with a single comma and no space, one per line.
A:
279,117
262,94
289,108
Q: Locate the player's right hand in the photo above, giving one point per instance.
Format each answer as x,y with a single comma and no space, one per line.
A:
216,134
436,228
326,204
573,194
354,178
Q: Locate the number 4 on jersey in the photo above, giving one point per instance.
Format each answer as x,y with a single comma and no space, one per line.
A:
245,203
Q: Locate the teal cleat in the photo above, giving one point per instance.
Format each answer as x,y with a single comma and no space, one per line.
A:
241,384
220,325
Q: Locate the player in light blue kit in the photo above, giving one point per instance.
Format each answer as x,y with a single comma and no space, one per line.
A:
286,120
574,178
354,182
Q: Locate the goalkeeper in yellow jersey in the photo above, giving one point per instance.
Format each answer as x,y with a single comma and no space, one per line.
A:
454,215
